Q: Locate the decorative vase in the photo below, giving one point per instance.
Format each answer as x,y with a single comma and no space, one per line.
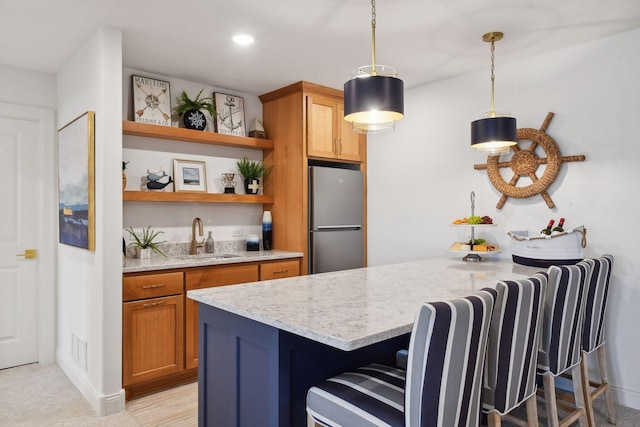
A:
251,186
124,180
267,231
144,253
194,119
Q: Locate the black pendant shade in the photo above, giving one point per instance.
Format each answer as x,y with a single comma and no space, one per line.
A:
494,132
374,100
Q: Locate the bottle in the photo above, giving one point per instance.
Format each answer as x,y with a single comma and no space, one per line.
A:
267,231
547,231
559,229
208,244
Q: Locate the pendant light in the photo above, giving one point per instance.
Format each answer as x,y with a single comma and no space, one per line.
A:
493,133
374,97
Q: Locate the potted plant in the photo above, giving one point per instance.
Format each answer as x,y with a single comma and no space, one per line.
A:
190,109
146,243
251,172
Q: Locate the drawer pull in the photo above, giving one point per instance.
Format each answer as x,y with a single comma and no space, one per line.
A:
159,285
153,304
281,271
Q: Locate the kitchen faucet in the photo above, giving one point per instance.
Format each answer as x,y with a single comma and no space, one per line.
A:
193,248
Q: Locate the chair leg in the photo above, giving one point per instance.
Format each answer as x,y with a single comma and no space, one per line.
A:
550,399
578,392
311,422
604,375
493,419
586,390
532,411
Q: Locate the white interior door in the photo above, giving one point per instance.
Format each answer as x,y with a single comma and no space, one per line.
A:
20,177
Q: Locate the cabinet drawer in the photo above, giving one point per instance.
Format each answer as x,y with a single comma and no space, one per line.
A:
208,277
152,285
279,270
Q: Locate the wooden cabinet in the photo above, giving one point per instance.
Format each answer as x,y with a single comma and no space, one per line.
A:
329,136
153,327
160,324
305,122
208,277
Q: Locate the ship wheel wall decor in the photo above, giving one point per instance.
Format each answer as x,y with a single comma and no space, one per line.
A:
525,162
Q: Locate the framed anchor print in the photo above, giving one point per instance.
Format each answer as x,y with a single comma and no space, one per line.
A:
151,101
229,114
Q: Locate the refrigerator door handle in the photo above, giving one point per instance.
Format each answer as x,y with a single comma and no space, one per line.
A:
339,227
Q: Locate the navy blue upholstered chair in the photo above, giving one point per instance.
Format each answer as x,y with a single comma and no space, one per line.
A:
512,351
561,338
593,334
441,386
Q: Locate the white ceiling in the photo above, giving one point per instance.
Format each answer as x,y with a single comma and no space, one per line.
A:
321,41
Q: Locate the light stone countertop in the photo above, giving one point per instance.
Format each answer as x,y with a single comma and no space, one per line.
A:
354,308
158,262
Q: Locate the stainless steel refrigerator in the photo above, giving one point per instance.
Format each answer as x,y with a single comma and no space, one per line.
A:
336,214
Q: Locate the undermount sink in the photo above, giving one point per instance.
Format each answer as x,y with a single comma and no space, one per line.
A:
205,256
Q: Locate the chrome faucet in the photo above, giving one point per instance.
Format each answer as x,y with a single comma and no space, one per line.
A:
193,248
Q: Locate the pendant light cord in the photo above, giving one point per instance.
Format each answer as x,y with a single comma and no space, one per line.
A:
493,76
373,37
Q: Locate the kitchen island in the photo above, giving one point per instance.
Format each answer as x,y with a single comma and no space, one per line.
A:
263,344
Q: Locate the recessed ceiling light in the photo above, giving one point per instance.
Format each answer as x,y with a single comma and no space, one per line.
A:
243,39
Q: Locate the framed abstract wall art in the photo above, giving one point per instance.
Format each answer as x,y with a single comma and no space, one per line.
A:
76,191
190,176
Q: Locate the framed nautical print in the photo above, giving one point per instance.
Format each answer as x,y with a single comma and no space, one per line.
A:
76,201
229,114
151,101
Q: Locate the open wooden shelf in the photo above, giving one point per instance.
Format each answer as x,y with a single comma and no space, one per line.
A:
188,135
161,196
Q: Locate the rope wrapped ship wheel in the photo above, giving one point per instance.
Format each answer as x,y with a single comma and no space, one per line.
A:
525,162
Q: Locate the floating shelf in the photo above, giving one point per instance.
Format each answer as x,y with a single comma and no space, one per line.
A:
161,196
188,135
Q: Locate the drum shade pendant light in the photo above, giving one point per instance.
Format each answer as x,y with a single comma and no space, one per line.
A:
374,97
493,133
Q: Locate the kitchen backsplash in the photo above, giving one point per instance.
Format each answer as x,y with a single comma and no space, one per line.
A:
179,249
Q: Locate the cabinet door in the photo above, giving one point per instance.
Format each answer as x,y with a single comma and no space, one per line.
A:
207,278
321,135
153,339
279,269
349,142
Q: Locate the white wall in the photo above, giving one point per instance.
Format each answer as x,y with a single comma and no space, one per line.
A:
421,175
26,87
90,283
175,219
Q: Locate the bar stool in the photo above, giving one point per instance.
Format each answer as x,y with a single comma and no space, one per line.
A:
512,351
593,334
561,336
442,383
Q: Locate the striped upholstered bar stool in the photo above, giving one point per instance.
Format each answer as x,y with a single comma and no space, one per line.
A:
593,334
512,351
443,376
560,345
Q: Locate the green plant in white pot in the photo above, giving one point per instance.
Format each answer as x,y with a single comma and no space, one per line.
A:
146,242
252,171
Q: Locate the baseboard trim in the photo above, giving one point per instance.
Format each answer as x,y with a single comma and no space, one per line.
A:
102,404
626,397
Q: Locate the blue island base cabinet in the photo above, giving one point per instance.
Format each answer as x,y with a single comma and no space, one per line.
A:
252,374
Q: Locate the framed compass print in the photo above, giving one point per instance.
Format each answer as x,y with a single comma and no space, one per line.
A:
151,101
229,114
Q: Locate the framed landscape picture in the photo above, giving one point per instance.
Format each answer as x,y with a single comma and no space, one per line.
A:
229,114
76,202
151,101
190,176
